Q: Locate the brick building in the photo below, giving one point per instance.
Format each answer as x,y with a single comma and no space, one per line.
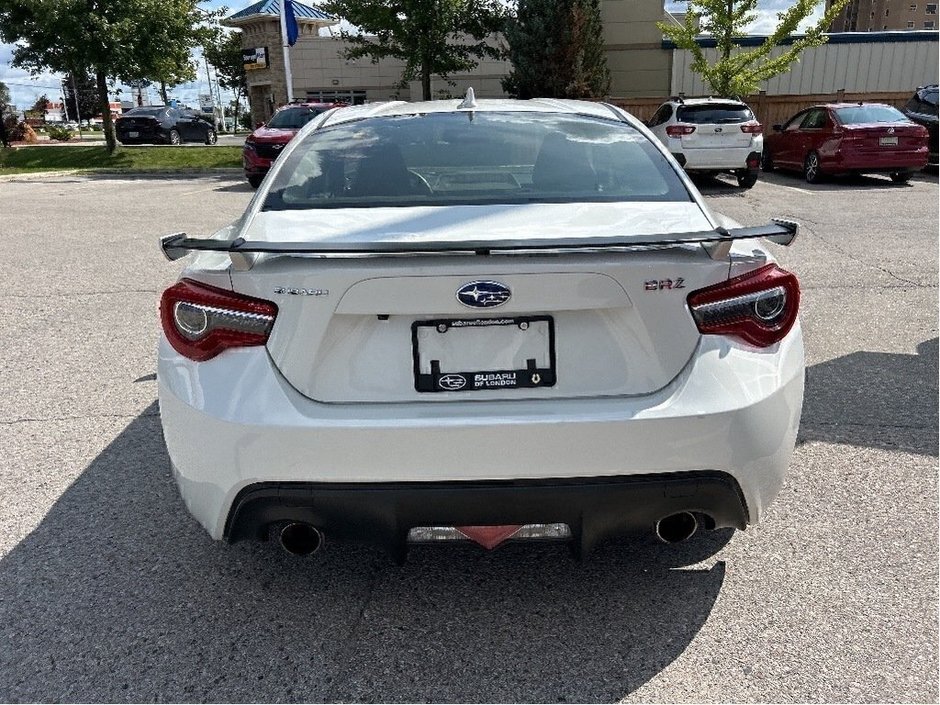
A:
880,15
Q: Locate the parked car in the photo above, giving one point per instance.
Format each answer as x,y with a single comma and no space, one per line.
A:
163,125
264,145
711,135
480,315
922,109
841,138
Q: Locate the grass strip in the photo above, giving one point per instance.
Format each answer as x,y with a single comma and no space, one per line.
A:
58,157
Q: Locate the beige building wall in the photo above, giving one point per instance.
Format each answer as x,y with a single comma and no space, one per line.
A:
639,66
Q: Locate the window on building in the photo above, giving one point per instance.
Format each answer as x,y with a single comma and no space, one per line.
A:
931,8
913,8
910,25
886,12
928,25
334,96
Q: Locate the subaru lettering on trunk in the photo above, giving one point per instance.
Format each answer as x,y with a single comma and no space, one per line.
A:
401,401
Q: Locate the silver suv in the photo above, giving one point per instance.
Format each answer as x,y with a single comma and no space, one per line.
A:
711,135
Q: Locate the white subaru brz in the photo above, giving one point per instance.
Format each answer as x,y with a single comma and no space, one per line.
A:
486,319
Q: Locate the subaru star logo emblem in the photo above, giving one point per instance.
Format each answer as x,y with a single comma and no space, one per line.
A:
483,294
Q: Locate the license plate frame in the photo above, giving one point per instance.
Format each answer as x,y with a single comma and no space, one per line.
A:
133,134
438,380
889,141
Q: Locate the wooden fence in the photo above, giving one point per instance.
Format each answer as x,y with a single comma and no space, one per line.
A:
772,109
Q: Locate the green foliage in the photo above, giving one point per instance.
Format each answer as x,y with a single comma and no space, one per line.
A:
5,100
84,86
126,39
39,107
59,133
432,37
557,50
157,159
223,50
739,72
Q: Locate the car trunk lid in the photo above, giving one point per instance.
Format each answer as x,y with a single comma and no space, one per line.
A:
397,329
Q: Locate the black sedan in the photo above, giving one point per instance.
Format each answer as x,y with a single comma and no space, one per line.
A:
162,125
922,108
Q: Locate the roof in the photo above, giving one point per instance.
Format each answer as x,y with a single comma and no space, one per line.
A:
537,105
889,37
272,8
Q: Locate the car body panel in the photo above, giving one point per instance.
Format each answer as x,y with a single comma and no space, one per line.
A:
152,125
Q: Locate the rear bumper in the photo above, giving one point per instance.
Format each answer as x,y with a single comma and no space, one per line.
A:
874,162
715,159
593,508
234,422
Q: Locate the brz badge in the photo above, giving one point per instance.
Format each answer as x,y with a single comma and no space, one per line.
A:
483,294
664,284
452,382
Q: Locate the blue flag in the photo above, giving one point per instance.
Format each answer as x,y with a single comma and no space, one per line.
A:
291,22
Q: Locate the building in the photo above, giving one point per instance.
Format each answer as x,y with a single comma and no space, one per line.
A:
645,68
637,62
881,15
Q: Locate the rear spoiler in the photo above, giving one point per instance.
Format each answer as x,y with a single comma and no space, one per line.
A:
717,242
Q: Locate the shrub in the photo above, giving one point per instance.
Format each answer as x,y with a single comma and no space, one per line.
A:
22,132
60,133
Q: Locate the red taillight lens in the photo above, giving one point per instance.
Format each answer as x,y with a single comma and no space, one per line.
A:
679,130
752,128
759,307
200,321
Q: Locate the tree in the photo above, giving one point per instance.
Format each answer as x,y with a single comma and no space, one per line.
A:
5,107
224,51
106,39
41,105
557,50
82,85
737,72
432,37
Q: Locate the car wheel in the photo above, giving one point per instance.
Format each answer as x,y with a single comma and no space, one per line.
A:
255,180
211,137
811,171
747,179
901,177
766,162
175,137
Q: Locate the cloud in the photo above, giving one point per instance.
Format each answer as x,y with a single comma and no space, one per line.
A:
767,12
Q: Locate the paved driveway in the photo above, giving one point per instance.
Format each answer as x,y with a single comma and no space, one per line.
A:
110,591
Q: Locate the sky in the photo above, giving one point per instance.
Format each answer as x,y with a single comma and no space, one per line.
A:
25,89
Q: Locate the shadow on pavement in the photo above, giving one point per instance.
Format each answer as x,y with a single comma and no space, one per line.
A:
877,400
119,596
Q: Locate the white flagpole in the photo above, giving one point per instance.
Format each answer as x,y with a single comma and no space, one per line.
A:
287,75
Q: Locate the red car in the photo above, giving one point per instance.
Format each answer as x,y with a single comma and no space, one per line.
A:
264,145
842,138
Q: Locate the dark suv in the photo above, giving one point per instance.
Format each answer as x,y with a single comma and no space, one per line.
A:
922,109
162,125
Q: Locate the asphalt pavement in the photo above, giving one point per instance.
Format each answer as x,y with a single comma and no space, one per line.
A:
109,591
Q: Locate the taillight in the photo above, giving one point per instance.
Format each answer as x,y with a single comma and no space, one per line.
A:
200,321
759,307
679,130
752,128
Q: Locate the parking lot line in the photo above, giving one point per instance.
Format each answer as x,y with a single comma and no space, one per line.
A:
798,190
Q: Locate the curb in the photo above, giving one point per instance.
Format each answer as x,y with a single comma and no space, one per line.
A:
149,173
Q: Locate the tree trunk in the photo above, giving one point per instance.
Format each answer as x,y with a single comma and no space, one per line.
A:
163,93
426,80
107,123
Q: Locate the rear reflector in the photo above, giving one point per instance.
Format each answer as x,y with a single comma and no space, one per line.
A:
752,128
200,321
759,307
679,130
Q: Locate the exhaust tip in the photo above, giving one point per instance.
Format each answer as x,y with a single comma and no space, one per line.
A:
301,539
676,527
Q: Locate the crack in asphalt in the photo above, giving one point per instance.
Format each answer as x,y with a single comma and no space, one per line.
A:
812,233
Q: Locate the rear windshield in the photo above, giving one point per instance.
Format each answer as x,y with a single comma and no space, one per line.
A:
864,114
473,158
714,113
137,112
293,118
